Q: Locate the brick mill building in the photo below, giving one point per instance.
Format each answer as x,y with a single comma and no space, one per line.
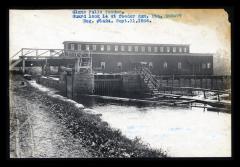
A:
162,59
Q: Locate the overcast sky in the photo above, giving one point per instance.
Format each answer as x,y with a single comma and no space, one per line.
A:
48,29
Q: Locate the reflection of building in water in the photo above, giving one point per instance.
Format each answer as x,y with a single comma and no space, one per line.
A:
161,58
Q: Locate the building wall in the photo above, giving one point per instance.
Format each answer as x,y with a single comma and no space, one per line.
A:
173,59
189,64
125,47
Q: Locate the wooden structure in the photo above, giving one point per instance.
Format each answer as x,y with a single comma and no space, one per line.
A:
158,91
79,61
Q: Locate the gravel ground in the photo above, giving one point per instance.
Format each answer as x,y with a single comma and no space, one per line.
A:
45,127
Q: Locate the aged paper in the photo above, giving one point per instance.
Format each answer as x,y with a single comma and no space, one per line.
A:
183,133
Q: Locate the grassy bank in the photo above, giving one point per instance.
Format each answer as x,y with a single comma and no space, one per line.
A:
97,136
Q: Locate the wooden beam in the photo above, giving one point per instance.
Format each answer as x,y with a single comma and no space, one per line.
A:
47,57
23,65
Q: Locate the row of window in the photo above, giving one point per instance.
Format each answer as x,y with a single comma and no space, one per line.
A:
129,48
165,65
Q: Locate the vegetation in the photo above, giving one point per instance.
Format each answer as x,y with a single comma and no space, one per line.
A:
97,136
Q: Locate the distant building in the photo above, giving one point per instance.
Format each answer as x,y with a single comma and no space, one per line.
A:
162,59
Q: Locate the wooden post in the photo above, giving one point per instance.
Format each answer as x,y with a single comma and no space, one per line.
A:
42,69
218,96
204,93
194,81
222,83
206,83
164,89
76,66
148,80
211,83
23,65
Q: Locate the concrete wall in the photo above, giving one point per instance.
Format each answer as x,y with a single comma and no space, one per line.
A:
70,85
51,83
132,84
83,83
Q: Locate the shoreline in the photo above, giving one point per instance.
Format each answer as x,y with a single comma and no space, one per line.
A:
97,137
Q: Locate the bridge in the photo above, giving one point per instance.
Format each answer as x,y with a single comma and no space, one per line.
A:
32,57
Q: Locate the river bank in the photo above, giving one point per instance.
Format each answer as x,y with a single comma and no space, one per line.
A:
70,130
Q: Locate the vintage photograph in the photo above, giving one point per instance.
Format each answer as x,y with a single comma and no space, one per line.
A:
119,83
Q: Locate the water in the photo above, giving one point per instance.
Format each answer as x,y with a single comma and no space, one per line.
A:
182,132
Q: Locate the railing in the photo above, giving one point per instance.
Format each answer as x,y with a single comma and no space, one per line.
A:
38,52
147,75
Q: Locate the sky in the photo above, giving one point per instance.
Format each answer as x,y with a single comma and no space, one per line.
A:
48,29
207,31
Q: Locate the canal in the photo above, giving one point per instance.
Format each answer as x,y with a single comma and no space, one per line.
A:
180,131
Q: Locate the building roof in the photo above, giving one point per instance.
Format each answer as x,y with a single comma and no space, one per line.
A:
159,54
121,43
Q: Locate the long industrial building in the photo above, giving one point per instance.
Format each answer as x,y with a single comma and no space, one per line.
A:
162,59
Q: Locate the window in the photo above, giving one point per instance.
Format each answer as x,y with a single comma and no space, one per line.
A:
116,48
150,65
143,63
149,49
79,47
161,49
87,47
122,48
203,66
185,49
129,48
108,48
180,49
103,64
174,49
208,65
102,47
168,49
94,47
179,65
143,48
136,48
119,64
72,46
155,49
165,65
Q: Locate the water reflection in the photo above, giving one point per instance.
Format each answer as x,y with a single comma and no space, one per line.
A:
180,131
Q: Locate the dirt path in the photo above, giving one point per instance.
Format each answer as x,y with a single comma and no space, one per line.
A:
39,134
